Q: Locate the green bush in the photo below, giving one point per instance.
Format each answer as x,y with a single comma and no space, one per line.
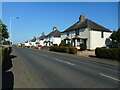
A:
62,43
65,49
83,47
109,53
55,45
27,46
68,44
71,50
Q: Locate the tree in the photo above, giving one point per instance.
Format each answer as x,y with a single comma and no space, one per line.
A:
68,44
115,36
118,37
108,41
62,43
3,31
83,47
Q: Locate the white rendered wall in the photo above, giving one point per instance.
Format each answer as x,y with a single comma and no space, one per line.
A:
84,33
56,40
96,40
26,44
41,42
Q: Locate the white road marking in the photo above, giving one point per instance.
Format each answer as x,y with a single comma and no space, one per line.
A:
60,60
109,77
64,61
43,54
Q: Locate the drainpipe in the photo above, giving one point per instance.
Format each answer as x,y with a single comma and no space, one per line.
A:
89,43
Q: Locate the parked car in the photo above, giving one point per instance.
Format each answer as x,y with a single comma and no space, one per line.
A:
112,46
39,46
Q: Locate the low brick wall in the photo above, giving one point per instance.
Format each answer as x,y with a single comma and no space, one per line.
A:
86,53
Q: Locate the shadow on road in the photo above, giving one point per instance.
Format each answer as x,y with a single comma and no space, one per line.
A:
12,56
7,63
94,56
7,76
7,80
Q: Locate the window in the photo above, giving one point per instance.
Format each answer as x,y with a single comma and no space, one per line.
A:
68,33
77,32
102,34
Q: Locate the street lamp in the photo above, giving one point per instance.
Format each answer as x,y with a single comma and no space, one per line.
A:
11,28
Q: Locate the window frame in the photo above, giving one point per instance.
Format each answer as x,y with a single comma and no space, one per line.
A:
77,32
68,33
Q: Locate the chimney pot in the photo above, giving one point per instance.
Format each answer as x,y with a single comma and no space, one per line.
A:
54,28
82,17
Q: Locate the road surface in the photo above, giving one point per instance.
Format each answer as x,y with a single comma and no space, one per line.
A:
43,69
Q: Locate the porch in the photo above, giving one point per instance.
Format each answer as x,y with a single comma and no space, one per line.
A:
76,41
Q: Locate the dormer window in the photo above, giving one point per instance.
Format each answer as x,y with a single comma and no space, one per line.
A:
77,32
68,33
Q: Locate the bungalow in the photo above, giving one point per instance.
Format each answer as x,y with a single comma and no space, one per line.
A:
40,40
32,42
53,37
26,43
87,32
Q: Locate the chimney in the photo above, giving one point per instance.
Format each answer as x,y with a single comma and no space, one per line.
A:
54,28
81,18
43,33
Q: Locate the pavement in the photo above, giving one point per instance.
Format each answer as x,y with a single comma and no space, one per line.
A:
91,54
44,69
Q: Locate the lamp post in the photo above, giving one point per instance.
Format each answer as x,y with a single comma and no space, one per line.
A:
11,28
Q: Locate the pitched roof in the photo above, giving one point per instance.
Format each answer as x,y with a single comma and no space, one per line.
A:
67,38
55,33
26,42
41,37
33,40
87,23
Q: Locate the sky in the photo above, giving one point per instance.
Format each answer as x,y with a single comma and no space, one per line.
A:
38,17
60,0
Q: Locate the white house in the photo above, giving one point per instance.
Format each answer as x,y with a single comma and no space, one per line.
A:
53,37
86,31
33,42
40,40
30,42
27,43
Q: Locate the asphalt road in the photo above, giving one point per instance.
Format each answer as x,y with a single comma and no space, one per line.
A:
42,69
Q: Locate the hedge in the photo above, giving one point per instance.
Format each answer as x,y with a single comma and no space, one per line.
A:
4,51
71,50
109,53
